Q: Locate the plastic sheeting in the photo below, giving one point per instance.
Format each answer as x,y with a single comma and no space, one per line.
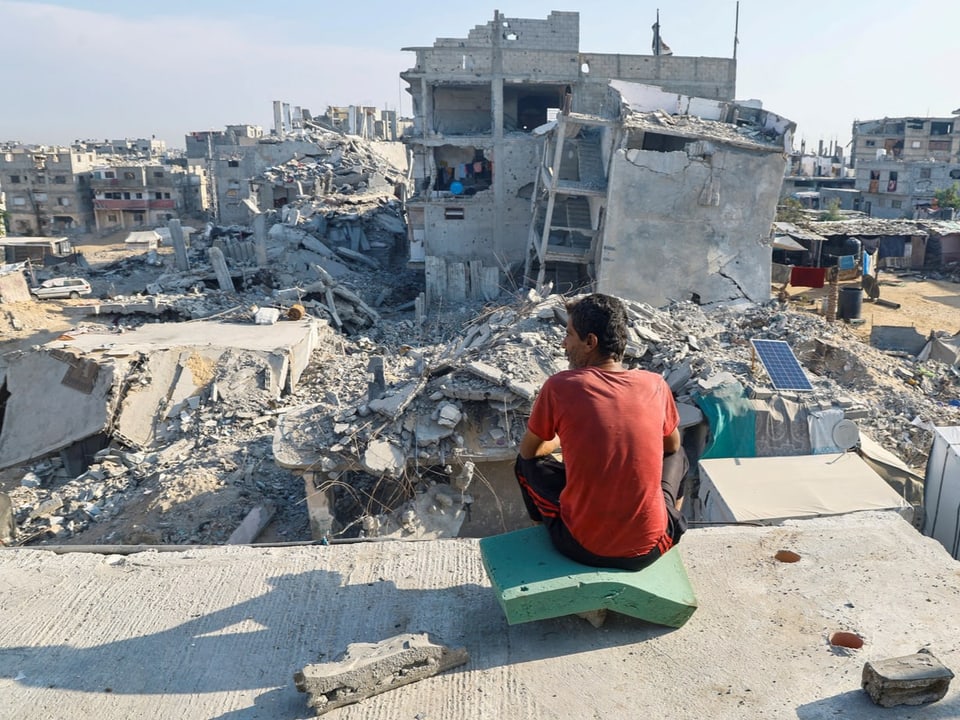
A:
741,427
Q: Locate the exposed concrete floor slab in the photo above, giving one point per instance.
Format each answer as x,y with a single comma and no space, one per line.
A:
218,633
266,338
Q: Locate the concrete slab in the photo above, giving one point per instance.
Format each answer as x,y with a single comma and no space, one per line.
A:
43,413
69,390
291,339
219,633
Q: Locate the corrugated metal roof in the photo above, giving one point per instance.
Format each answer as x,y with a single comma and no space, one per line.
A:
799,233
867,226
941,227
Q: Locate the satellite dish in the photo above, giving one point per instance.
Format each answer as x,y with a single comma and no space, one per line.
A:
846,434
871,287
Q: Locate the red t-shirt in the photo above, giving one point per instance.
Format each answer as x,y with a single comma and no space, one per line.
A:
611,427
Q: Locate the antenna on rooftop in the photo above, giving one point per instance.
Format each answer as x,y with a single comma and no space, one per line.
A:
736,31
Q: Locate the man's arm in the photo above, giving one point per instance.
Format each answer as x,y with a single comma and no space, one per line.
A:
532,446
671,442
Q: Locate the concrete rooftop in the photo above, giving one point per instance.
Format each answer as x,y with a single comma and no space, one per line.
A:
218,633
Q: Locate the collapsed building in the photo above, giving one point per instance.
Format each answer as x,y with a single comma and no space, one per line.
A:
488,189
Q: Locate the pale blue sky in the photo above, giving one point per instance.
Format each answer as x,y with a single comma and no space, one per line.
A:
125,68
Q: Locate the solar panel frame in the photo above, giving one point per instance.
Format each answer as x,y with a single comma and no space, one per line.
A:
782,366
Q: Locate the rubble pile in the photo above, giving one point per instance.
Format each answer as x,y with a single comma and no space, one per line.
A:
397,423
343,165
211,465
438,407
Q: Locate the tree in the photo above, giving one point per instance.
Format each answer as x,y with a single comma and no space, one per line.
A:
833,211
948,197
791,210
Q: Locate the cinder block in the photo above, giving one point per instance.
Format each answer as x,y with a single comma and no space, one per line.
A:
915,679
368,669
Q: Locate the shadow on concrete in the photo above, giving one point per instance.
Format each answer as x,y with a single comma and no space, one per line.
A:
852,705
254,647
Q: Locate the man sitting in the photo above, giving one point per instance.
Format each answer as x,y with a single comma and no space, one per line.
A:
611,502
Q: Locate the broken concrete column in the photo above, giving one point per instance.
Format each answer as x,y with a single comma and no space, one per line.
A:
420,309
475,268
435,277
179,245
319,506
915,679
260,239
490,279
457,282
252,525
219,263
368,669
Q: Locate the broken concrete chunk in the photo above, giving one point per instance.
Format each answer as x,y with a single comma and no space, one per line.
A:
383,456
253,524
526,390
449,415
647,334
915,679
465,476
30,480
466,392
394,404
266,316
714,381
47,507
430,432
368,669
679,376
487,372
689,415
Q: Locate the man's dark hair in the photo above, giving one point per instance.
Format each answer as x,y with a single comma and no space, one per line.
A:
605,317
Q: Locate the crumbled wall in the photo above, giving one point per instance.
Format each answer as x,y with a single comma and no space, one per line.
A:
690,227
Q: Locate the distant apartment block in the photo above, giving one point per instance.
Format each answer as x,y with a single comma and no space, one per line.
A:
901,162
144,194
47,189
209,143
127,147
231,158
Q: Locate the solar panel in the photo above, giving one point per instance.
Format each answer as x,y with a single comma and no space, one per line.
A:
781,365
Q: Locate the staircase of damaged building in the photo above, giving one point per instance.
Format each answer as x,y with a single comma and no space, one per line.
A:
580,168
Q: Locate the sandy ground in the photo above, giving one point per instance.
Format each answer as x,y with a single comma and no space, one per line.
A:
926,305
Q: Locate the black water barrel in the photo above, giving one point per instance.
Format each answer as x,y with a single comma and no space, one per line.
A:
850,303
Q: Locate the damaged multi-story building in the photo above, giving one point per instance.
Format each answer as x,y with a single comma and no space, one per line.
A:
901,162
634,174
47,188
231,158
132,194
